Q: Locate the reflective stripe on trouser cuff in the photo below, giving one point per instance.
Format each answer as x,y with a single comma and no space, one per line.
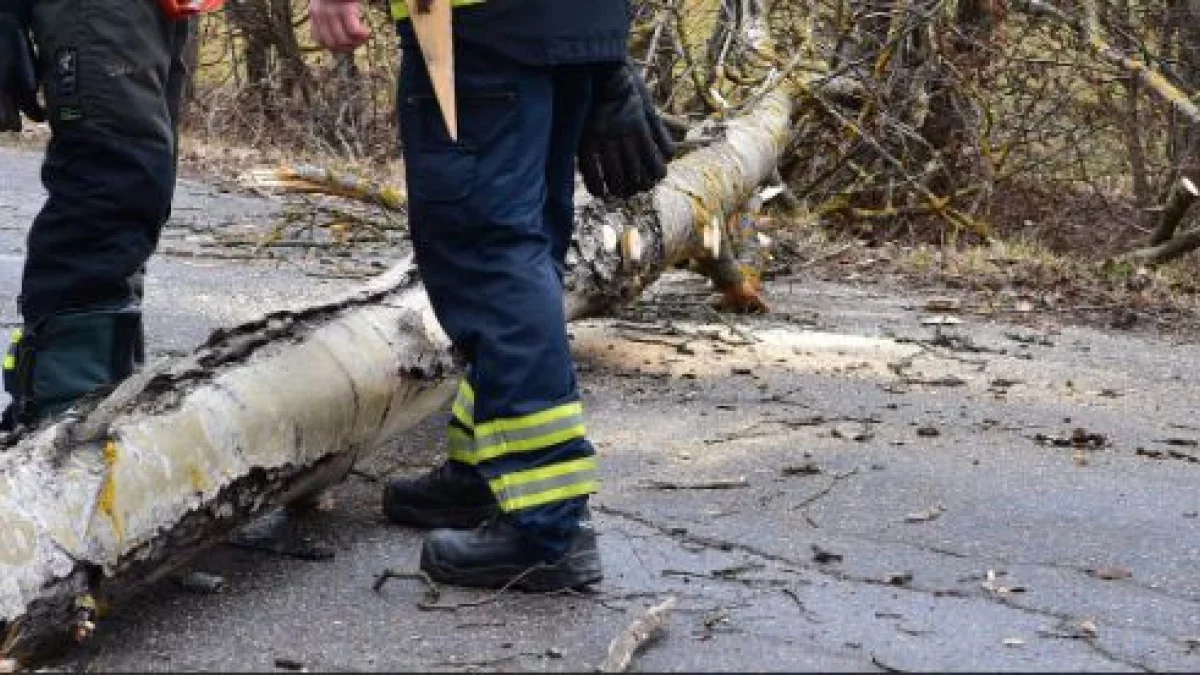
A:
10,358
502,437
464,405
460,445
547,484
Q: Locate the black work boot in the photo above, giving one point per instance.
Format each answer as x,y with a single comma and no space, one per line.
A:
55,361
498,555
453,495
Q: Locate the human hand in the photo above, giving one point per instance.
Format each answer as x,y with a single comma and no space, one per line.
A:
337,24
625,149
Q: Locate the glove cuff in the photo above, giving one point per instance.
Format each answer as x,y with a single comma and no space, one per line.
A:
614,81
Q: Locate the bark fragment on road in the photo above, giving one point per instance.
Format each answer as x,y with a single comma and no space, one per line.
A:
636,636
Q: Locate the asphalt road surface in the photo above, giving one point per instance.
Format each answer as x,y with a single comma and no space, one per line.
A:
836,486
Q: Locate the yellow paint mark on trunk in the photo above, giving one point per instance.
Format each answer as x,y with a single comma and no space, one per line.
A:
108,493
197,478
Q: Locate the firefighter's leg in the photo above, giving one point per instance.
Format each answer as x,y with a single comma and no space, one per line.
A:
112,70
453,495
487,259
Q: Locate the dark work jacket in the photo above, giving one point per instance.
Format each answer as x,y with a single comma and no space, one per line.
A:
543,32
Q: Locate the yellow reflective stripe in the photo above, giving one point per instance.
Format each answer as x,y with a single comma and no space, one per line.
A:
459,446
496,438
484,453
551,496
10,358
542,473
461,414
461,443
464,404
546,484
536,431
529,421
400,7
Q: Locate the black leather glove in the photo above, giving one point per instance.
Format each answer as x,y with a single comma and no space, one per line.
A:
624,149
18,76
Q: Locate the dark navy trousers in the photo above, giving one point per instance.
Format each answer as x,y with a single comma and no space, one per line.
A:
491,216
112,76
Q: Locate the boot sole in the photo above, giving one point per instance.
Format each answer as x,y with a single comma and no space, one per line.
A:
577,571
464,518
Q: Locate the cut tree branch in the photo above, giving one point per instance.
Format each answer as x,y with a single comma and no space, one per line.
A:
1179,246
1183,195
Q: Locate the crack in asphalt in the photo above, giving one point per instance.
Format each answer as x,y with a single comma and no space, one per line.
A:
1008,562
726,545
1006,601
942,551
1117,658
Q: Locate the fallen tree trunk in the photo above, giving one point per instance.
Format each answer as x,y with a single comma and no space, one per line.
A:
97,504
93,507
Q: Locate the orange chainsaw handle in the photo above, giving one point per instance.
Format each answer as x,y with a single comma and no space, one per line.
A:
182,9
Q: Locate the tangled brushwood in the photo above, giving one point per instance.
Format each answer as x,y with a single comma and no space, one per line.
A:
934,120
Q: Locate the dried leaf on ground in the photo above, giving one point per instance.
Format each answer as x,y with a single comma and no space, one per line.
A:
805,469
1079,438
201,583
1082,436
822,556
1111,572
1072,629
992,585
943,305
1004,382
925,515
853,432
